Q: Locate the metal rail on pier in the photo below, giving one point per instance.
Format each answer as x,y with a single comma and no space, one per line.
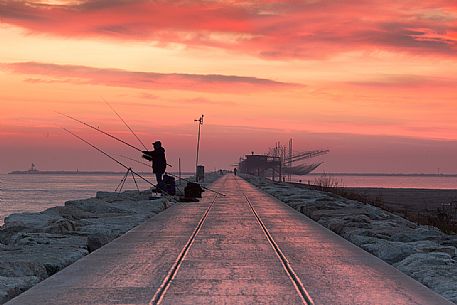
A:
304,295
158,296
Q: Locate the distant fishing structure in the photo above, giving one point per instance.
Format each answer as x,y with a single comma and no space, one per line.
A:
289,158
280,162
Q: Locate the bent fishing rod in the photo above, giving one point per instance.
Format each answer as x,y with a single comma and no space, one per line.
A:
112,158
131,130
104,132
129,168
99,130
122,141
134,160
125,123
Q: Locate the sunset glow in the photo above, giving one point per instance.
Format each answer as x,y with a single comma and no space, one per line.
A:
373,81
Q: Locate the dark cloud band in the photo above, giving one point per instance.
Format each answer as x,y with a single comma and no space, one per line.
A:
123,78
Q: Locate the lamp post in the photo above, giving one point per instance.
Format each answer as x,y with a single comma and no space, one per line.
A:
200,123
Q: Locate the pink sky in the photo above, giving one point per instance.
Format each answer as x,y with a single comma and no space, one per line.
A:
373,81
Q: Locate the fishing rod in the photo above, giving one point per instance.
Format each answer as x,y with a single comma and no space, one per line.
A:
122,141
99,130
131,130
125,123
115,160
139,162
104,132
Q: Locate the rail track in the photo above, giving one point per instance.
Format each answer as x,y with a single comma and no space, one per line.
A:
289,271
161,291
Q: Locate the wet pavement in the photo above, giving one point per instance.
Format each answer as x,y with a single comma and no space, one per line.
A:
244,248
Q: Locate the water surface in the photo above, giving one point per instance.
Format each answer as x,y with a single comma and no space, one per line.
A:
33,193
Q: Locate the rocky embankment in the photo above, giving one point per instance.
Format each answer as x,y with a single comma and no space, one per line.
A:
422,252
33,246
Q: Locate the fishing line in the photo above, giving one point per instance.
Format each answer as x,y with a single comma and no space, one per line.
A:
99,130
134,160
125,123
122,141
112,158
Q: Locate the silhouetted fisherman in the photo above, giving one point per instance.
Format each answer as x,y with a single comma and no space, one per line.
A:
159,163
234,171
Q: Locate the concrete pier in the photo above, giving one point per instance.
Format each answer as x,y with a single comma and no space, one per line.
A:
244,248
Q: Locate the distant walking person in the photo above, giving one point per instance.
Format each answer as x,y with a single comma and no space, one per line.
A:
234,171
159,163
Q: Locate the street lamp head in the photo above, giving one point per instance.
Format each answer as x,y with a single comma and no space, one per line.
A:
200,120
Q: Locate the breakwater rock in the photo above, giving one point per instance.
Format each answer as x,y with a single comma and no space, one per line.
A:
422,252
33,246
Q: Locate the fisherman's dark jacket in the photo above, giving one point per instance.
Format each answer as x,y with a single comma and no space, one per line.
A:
157,156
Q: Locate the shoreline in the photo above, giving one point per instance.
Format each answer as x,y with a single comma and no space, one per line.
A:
416,199
434,207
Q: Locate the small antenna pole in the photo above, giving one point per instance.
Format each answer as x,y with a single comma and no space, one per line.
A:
179,170
200,123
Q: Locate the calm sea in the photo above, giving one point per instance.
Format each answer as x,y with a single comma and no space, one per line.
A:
32,193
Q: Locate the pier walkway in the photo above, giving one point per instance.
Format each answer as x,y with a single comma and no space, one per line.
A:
245,248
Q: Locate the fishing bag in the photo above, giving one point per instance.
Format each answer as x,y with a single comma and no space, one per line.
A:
193,190
169,184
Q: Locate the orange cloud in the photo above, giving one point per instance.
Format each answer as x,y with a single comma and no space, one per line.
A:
271,29
407,82
143,80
